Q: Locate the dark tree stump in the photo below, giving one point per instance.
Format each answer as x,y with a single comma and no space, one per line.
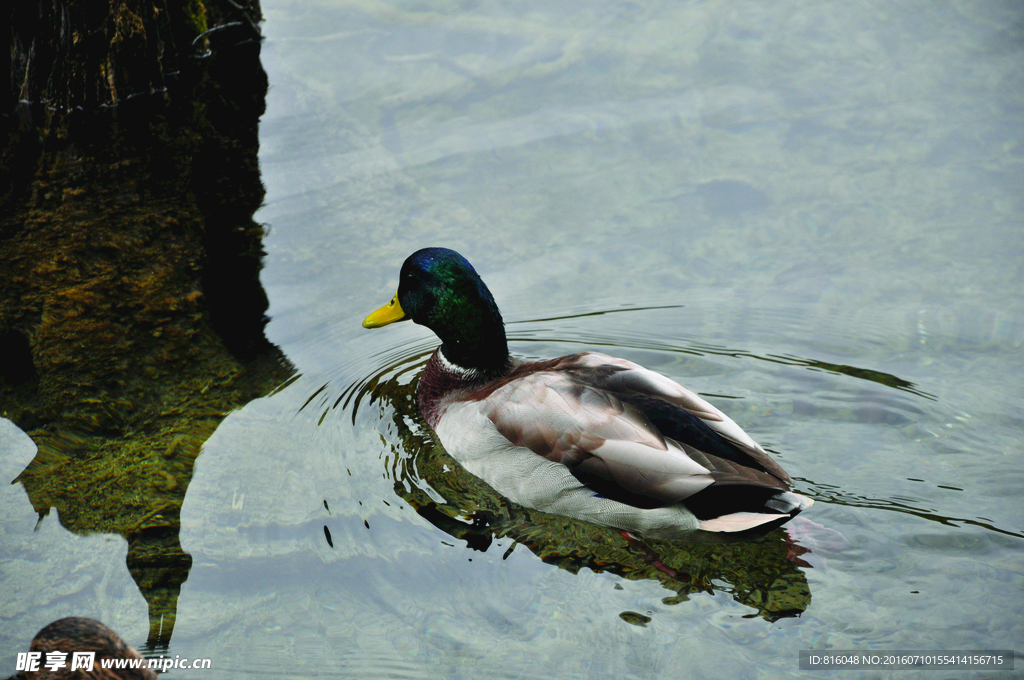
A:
131,312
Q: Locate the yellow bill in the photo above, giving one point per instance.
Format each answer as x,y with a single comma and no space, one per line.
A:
389,313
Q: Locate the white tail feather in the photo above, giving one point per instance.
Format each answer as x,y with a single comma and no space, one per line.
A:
788,502
739,521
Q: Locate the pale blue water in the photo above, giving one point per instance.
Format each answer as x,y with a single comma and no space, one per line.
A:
824,200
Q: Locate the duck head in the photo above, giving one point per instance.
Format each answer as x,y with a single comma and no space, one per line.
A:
439,289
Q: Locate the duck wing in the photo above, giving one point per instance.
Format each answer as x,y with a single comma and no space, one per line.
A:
611,445
674,410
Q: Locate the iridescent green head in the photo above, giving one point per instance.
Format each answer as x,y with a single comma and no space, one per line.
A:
439,289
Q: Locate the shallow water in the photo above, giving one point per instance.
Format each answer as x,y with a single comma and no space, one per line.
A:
810,213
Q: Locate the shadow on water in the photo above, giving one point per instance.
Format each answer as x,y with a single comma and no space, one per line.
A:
131,311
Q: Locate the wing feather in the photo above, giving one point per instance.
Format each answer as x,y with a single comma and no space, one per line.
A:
633,377
627,376
581,426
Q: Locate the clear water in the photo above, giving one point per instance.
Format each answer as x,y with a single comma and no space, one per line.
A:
812,213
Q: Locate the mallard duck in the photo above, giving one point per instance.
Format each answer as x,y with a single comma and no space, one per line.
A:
586,436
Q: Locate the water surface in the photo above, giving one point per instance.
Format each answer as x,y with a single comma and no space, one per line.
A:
811,213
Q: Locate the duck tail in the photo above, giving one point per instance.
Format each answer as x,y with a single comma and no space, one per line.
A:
787,504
